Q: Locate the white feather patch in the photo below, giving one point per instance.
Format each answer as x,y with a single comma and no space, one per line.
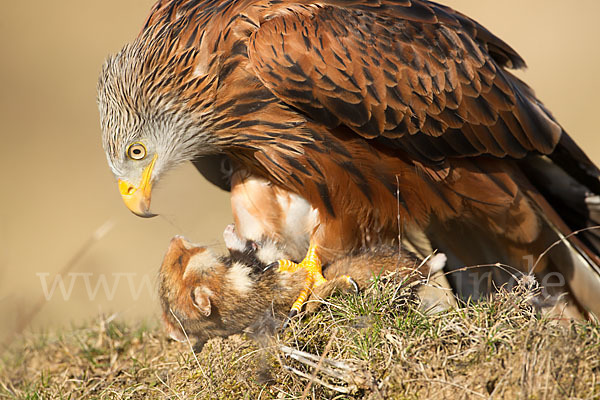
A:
301,219
299,213
437,262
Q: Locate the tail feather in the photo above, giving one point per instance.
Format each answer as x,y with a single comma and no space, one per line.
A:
572,214
567,208
581,271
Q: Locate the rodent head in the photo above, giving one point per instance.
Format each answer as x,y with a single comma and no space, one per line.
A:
204,296
187,274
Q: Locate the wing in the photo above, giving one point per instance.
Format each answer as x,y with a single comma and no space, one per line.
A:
412,75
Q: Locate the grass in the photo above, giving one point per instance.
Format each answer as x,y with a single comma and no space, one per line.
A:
379,344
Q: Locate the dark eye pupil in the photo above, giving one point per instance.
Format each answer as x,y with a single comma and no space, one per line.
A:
136,151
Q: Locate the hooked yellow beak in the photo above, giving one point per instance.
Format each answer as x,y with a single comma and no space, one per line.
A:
137,199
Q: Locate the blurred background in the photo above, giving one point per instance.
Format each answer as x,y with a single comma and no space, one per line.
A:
57,190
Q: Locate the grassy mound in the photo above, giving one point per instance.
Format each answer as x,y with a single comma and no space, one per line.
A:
379,344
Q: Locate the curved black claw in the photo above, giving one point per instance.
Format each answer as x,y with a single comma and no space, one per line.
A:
354,285
273,264
291,315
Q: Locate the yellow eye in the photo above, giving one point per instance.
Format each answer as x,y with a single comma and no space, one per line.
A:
136,151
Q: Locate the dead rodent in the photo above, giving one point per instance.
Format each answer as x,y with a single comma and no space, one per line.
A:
211,296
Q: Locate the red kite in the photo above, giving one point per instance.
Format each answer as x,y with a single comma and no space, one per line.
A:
381,115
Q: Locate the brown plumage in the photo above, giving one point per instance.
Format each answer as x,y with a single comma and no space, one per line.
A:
366,109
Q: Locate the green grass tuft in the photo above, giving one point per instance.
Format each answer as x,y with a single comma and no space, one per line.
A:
374,345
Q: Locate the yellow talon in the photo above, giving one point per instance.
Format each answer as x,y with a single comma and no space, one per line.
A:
314,278
287,266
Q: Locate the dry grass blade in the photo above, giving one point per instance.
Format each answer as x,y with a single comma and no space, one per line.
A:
559,241
318,366
311,378
354,376
188,341
377,344
461,387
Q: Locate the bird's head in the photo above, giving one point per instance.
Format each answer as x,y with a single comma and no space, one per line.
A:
149,121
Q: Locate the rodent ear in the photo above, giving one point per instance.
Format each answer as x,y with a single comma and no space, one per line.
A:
201,300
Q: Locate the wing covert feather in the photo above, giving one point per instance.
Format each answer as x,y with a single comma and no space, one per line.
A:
419,76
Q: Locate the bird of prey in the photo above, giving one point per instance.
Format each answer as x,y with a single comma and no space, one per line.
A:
378,117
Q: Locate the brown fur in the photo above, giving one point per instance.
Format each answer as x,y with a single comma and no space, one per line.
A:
230,312
271,294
